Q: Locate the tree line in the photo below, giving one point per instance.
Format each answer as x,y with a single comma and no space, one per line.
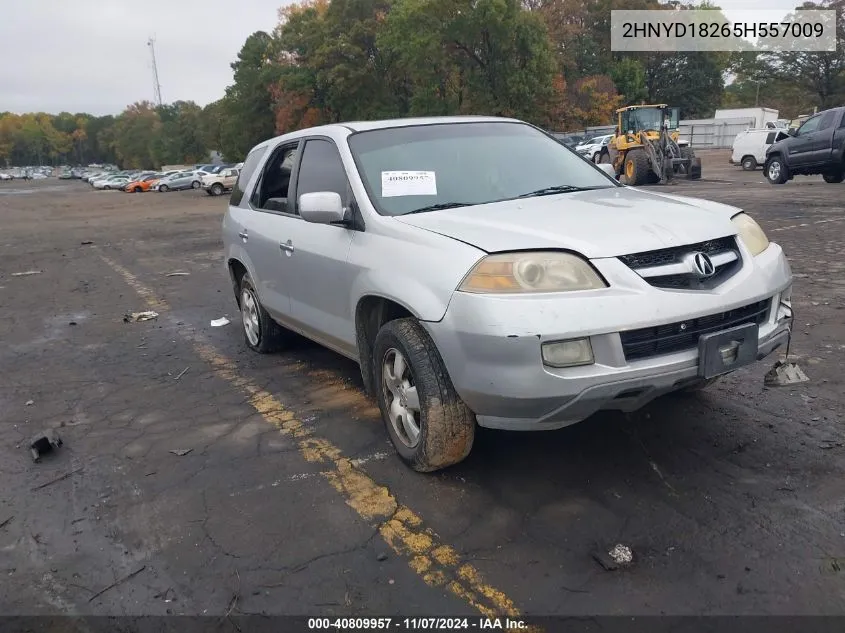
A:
545,61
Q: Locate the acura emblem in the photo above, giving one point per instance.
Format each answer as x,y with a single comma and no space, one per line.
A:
703,265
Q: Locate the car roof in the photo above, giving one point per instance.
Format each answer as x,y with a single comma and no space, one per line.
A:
345,128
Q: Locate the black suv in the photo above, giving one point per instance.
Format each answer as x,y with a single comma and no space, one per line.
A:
817,147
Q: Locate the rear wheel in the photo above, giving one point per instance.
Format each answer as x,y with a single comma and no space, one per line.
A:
261,332
195,184
426,420
776,172
834,177
636,167
749,163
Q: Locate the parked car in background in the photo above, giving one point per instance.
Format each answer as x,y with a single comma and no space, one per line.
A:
594,148
180,180
485,275
570,140
818,147
750,147
112,182
216,184
144,183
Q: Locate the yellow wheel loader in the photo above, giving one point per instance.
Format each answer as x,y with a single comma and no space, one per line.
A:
646,147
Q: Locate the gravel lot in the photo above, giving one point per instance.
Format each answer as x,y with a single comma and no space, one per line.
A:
291,500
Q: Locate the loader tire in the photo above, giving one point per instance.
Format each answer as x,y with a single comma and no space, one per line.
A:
636,168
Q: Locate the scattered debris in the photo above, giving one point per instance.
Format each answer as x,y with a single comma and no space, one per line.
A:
6,522
86,242
26,273
782,374
619,556
57,479
117,582
44,442
831,444
220,322
177,273
29,403
381,557
182,373
72,323
181,452
131,317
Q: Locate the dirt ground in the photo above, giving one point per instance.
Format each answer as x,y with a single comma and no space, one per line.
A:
291,500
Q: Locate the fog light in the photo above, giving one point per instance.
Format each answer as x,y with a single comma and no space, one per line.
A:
568,353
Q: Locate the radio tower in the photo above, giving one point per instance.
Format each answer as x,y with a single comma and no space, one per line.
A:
156,85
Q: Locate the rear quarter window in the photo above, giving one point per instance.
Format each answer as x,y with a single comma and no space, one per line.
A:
250,164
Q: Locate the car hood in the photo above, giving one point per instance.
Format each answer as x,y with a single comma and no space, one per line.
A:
598,223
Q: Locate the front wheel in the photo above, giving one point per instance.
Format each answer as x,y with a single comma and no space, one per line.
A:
426,420
776,172
217,189
195,184
163,188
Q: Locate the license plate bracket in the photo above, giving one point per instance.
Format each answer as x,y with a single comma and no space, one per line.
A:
724,351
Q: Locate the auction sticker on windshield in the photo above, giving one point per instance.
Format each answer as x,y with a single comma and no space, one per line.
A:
408,183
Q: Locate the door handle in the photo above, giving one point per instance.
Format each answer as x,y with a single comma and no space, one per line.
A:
243,235
287,247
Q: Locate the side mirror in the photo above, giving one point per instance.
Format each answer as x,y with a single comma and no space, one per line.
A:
608,169
321,207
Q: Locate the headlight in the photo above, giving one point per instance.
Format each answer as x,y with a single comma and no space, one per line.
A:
750,233
531,272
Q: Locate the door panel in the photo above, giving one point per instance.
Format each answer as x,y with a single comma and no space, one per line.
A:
802,146
322,283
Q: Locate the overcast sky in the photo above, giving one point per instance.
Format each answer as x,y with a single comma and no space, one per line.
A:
92,56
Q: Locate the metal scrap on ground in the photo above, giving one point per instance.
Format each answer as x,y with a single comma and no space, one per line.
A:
220,322
782,374
131,317
181,452
26,273
44,442
177,274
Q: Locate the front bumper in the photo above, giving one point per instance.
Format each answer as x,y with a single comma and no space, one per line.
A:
491,345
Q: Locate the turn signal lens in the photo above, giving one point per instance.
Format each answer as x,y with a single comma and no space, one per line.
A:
531,272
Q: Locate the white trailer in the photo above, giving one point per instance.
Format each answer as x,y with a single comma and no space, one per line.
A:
761,116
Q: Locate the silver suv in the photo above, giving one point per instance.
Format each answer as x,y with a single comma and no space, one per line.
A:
482,273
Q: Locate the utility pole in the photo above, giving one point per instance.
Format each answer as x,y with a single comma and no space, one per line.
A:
156,84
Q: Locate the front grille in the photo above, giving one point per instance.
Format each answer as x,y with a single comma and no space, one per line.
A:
674,254
670,338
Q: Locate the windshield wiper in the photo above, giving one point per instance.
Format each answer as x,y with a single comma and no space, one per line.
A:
550,191
438,207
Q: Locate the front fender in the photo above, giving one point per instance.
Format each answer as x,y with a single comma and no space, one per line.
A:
415,297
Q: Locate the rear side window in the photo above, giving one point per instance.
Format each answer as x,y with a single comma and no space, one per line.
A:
250,164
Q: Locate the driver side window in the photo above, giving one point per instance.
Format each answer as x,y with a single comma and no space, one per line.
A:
810,125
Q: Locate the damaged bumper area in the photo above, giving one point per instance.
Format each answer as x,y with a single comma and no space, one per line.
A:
543,361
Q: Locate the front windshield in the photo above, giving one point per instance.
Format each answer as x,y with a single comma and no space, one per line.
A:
642,119
407,169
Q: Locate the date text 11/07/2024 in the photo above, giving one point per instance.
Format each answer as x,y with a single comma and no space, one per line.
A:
417,624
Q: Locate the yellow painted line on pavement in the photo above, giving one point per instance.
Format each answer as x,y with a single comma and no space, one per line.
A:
437,563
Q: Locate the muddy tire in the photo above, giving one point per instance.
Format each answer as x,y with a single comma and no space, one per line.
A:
261,333
776,171
636,168
426,420
749,163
